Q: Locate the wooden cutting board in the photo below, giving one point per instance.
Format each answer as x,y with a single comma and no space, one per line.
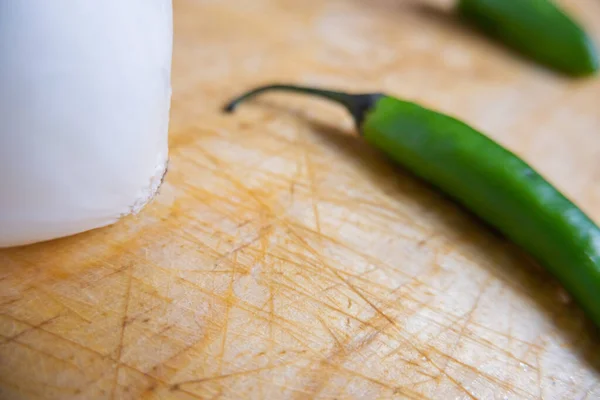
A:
283,259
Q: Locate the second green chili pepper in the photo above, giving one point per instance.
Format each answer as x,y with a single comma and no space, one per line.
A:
491,181
538,29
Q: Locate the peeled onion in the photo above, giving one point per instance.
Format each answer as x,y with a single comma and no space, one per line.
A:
84,112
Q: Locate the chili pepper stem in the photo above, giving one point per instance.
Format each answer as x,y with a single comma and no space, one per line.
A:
356,104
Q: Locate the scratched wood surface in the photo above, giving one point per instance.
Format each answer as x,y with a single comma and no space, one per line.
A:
283,259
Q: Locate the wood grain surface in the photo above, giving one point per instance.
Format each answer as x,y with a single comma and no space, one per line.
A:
283,259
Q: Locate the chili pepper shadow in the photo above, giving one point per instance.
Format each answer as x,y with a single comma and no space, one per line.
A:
505,260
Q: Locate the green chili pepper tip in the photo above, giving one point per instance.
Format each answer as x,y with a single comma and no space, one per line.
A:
538,29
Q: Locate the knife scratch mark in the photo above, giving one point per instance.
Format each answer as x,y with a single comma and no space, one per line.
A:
22,389
44,353
339,344
467,318
177,386
62,304
313,188
262,232
31,328
119,349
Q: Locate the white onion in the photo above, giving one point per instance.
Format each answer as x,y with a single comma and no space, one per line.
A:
84,111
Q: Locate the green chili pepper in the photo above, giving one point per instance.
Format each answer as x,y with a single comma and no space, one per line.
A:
486,178
536,28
